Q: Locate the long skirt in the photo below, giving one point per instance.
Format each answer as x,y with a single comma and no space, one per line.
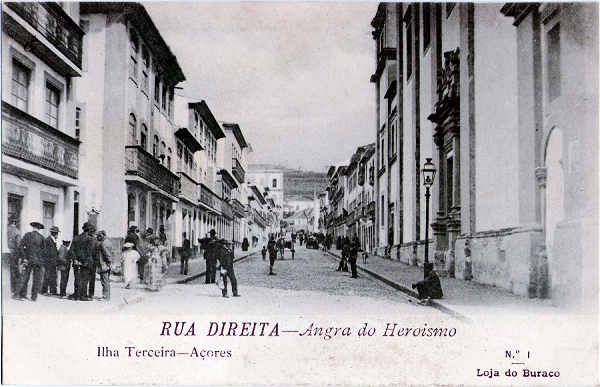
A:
129,270
153,275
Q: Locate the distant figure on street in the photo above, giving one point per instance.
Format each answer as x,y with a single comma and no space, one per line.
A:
293,250
264,252
50,261
186,253
72,256
32,248
162,235
281,247
157,263
144,246
63,265
103,261
225,256
13,234
272,247
430,287
132,237
88,267
129,261
354,248
343,266
210,255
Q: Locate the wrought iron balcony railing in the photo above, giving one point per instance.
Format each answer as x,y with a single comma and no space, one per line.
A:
54,24
140,163
29,139
238,170
208,197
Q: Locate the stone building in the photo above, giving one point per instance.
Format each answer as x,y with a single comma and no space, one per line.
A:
129,147
271,178
488,92
41,133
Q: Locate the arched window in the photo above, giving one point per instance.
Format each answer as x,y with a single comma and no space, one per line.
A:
132,129
155,146
130,208
169,155
142,207
144,137
145,69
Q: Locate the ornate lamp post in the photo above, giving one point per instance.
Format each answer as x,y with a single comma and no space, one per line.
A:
428,178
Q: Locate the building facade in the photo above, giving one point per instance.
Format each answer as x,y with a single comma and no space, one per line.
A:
41,69
509,128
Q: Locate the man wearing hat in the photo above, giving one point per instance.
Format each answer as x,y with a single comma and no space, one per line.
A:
50,258
89,268
185,254
32,248
102,258
225,256
144,244
210,255
80,254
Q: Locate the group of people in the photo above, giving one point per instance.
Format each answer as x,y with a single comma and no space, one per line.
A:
50,262
219,256
350,251
145,257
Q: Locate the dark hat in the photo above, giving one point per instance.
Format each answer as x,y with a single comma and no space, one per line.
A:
37,225
212,231
133,226
161,228
66,242
102,232
149,230
54,229
91,228
85,226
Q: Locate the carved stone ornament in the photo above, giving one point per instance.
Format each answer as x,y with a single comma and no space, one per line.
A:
446,115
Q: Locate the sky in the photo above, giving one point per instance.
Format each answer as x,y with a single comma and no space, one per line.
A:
294,76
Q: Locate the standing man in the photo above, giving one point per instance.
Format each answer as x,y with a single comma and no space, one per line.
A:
272,247
225,256
87,270
92,266
50,258
354,248
264,252
63,265
210,254
13,235
186,252
144,244
32,247
103,262
73,258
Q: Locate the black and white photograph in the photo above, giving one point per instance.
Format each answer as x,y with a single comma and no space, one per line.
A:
309,193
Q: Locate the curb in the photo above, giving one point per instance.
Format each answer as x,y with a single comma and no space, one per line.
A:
408,291
203,273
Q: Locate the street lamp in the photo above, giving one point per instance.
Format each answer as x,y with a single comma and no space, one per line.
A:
428,178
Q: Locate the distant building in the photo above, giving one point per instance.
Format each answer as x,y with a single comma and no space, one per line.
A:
271,178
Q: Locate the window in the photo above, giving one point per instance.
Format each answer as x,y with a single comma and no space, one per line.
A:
553,62
77,122
382,206
20,85
52,105
144,137
426,25
130,208
157,89
164,97
145,69
169,155
132,129
170,106
274,183
133,50
382,153
15,204
409,48
155,147
392,150
449,182
48,213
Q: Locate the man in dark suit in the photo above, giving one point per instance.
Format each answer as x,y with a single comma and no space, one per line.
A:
354,248
50,258
225,257
272,247
186,252
32,249
72,258
210,255
89,266
63,265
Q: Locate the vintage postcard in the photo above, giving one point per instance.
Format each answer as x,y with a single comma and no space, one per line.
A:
299,193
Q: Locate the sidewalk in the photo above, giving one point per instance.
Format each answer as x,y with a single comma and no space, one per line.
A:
463,299
196,267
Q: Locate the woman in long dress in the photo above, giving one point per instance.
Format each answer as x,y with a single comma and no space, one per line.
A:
129,264
156,266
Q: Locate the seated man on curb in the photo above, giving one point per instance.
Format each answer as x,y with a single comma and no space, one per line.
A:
430,288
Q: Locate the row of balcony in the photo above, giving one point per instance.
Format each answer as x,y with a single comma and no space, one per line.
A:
238,170
51,21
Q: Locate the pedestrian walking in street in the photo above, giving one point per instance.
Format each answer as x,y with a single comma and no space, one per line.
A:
281,246
186,253
293,250
430,288
63,266
225,257
129,264
132,236
75,263
354,248
264,252
144,247
343,266
50,261
210,255
103,262
13,234
272,247
32,248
